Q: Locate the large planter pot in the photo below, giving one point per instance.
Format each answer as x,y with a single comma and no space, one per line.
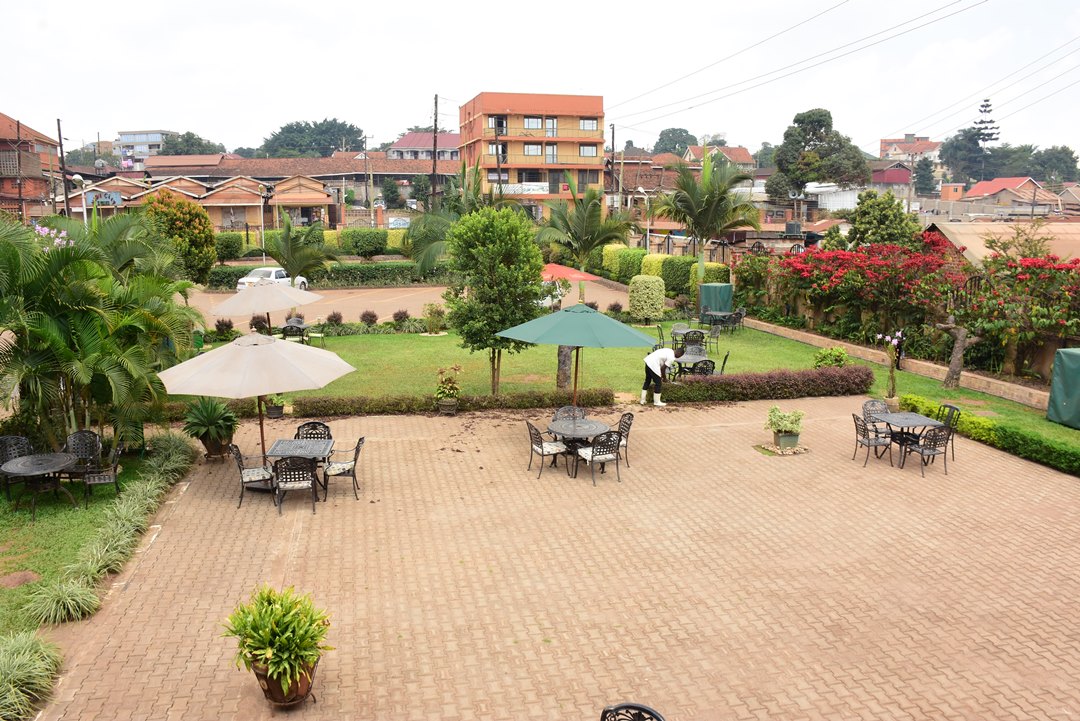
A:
785,440
893,404
275,411
447,406
294,694
218,449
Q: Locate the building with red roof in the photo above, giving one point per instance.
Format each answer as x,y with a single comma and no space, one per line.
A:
418,146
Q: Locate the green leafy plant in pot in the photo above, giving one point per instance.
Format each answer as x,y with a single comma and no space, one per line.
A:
213,423
280,637
786,427
447,390
275,406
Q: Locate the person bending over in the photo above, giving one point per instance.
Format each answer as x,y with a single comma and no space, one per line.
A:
657,364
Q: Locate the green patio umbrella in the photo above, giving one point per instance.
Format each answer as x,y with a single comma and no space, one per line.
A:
581,327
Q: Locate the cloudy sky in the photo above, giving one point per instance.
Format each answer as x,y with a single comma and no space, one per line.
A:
233,72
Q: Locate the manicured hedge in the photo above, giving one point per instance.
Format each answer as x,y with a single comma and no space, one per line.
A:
628,264
225,276
365,242
676,271
173,411
999,434
228,245
646,298
652,263
778,384
327,406
395,237
610,261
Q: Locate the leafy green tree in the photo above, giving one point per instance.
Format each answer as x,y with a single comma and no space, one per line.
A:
813,152
963,155
391,194
1056,165
674,140
833,239
497,267
246,152
880,219
87,158
188,226
710,206
924,177
312,139
297,251
421,189
715,139
189,144
766,156
1008,161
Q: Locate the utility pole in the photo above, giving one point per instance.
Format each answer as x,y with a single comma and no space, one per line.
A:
434,154
911,181
18,166
370,184
1034,188
63,170
612,126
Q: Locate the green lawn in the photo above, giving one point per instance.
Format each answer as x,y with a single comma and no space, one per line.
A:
50,543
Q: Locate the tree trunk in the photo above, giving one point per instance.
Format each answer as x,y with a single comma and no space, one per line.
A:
961,342
562,374
1010,366
498,369
494,372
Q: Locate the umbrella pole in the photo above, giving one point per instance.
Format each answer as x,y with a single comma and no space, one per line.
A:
262,432
577,366
269,328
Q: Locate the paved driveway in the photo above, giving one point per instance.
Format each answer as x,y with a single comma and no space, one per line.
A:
713,583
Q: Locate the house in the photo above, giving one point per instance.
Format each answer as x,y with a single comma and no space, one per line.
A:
1070,198
29,160
890,176
527,144
417,146
911,147
1014,196
738,156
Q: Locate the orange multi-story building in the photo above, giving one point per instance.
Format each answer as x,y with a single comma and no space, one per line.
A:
528,143
28,160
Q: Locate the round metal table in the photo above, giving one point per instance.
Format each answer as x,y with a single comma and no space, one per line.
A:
40,471
579,429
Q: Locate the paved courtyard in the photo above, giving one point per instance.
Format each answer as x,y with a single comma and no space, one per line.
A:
714,582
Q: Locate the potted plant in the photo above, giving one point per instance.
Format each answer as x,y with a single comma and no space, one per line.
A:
447,390
786,427
280,636
211,421
892,344
275,406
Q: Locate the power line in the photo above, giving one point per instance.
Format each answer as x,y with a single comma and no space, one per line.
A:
729,57
1036,102
812,57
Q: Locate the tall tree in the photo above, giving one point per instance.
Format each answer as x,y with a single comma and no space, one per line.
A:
391,194
718,140
963,155
312,139
924,177
189,144
497,266
813,151
246,152
988,130
1056,165
881,219
421,190
766,156
674,140
87,157
188,226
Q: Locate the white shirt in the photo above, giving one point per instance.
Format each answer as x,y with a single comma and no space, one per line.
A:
659,357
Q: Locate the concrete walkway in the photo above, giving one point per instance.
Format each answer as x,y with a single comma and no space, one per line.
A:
714,582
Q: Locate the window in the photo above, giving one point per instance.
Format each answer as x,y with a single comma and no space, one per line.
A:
498,122
551,127
589,124
497,149
533,123
587,151
529,176
534,149
493,176
588,177
551,153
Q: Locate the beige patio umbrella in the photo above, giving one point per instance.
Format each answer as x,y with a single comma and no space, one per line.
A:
254,365
264,297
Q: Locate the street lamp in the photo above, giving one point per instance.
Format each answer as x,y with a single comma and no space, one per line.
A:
81,182
648,215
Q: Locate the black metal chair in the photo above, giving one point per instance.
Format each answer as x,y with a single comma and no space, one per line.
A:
604,450
630,712
704,319
933,442
86,446
871,409
724,364
251,476
625,421
950,416
702,368
344,468
677,340
737,319
693,337
568,413
539,447
741,312
713,338
12,447
863,437
293,333
102,476
293,473
660,335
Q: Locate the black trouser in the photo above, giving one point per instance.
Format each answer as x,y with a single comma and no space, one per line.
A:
653,378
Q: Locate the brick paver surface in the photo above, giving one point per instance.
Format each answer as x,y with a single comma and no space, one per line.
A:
714,582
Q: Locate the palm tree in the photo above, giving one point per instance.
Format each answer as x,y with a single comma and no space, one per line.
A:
710,207
297,252
581,227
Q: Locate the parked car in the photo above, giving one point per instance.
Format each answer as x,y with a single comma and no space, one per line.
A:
277,275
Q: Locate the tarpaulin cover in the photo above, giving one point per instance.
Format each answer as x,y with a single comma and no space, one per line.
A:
1064,405
716,295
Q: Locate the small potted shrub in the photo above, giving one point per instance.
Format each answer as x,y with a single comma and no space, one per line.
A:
447,390
211,421
275,406
786,427
280,636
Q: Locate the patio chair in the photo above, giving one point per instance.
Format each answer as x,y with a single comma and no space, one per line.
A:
933,442
293,473
713,338
319,334
251,476
604,450
660,335
680,326
693,337
567,413
870,409
293,334
741,312
724,364
863,437
704,320
102,476
950,416
539,447
703,368
12,447
344,468
313,430
630,712
86,446
694,350
625,422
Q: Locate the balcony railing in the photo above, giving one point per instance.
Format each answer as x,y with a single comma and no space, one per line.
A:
520,131
489,159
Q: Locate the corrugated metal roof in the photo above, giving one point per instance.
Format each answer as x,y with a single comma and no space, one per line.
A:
1064,238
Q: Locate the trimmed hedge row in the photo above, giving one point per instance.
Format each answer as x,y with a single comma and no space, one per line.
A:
610,255
646,294
365,242
344,275
999,434
778,384
326,406
628,264
229,246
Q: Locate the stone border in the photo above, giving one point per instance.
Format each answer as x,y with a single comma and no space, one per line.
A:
1031,397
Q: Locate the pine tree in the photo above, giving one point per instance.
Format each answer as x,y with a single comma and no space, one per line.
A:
988,132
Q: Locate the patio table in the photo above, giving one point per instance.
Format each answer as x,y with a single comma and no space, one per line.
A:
317,448
40,471
905,422
686,362
577,429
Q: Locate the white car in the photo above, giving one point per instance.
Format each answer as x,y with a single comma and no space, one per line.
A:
276,275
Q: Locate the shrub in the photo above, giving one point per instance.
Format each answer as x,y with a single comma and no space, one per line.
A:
334,318
646,297
326,406
677,270
223,326
369,317
610,258
593,304
28,665
684,305
299,315
595,263
434,317
187,226
224,277
835,356
365,242
253,253
628,263
258,322
615,307
400,316
773,385
228,246
395,238
62,600
651,263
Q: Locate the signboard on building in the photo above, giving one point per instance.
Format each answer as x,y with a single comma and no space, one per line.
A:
396,223
101,198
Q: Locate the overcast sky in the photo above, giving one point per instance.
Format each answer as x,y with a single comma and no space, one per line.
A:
234,72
